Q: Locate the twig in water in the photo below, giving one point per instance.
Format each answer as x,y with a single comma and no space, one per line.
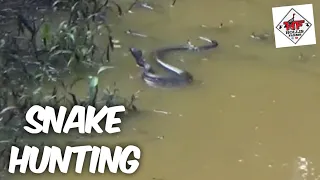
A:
136,94
162,112
160,137
131,6
173,3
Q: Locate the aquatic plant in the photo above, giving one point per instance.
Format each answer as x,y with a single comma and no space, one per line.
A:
71,43
36,52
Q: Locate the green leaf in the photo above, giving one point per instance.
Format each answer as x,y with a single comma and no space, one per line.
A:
72,58
59,52
93,84
93,81
2,43
73,8
71,36
45,32
103,68
84,51
53,48
63,25
56,3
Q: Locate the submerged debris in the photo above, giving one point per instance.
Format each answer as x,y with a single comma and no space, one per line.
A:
263,36
162,112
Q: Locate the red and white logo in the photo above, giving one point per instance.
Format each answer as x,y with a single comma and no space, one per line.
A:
294,25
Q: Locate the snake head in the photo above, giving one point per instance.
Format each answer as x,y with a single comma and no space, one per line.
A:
188,76
138,56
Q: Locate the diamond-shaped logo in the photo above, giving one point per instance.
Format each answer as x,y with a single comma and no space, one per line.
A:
293,26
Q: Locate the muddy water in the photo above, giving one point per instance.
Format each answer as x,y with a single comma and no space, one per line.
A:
255,112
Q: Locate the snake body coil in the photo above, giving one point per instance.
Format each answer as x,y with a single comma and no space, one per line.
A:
176,77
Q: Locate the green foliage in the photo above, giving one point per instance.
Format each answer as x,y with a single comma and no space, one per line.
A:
37,52
72,43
